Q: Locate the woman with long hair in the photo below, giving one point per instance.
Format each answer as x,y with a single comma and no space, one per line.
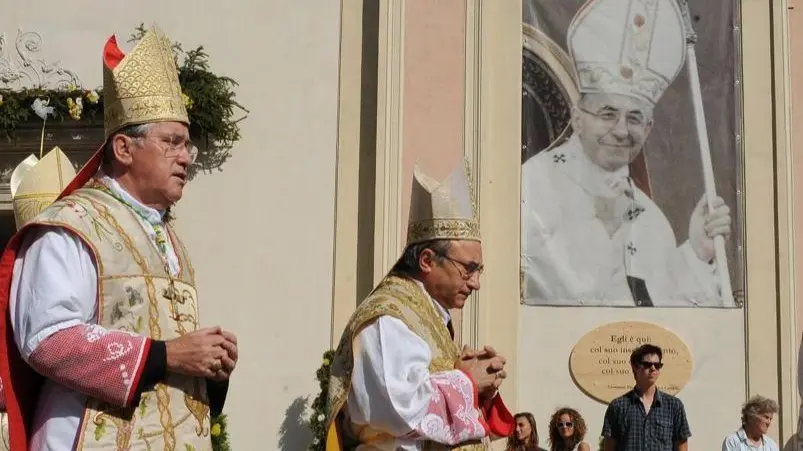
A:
567,429
525,437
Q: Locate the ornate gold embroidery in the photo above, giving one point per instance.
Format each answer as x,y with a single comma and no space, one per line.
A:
458,229
144,86
197,405
163,417
402,299
117,417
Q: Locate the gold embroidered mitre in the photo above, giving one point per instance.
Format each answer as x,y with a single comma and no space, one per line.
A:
143,86
630,47
442,210
35,184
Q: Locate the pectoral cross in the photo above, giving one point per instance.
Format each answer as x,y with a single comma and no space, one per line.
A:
172,294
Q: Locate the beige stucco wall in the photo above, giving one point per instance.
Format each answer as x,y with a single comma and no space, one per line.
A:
433,91
796,76
540,380
796,129
712,397
261,231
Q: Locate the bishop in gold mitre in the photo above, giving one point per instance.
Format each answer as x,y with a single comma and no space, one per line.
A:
399,379
96,290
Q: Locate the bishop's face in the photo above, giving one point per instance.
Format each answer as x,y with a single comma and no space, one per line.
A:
451,277
612,128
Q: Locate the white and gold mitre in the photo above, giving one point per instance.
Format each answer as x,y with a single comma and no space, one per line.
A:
442,210
630,47
35,184
143,86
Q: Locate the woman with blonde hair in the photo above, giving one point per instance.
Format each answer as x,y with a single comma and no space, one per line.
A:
525,436
567,429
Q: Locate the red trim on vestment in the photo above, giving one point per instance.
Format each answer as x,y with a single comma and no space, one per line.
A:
21,384
112,55
135,383
500,420
85,174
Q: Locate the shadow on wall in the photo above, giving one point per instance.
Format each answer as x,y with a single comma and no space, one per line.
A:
294,435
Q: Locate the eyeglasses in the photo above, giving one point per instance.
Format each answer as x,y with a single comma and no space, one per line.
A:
611,117
565,425
469,269
173,145
647,365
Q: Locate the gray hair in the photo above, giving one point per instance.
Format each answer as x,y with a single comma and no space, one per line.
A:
132,131
408,263
757,406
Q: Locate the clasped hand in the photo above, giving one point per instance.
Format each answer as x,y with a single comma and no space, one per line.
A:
485,366
209,352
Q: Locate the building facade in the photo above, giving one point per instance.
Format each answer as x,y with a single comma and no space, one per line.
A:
344,98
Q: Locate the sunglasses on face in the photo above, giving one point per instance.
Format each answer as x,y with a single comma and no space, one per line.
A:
647,365
565,425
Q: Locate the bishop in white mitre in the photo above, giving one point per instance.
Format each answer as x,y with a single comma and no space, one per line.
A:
398,379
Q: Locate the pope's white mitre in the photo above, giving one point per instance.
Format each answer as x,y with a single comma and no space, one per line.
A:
630,47
442,210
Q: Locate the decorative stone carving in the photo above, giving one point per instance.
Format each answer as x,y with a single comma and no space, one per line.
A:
20,68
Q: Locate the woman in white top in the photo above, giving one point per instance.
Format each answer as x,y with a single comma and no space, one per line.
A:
757,414
567,429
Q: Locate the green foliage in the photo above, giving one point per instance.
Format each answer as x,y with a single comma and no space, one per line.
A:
15,106
317,419
210,100
211,105
220,435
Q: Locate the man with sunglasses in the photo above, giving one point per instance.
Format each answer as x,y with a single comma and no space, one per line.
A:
398,380
645,418
100,346
590,235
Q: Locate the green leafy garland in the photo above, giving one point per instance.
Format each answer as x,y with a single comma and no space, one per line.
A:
317,418
220,436
209,98
16,106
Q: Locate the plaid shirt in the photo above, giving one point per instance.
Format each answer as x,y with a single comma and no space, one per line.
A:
634,430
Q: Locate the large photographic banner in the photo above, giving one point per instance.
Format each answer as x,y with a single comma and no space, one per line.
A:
622,203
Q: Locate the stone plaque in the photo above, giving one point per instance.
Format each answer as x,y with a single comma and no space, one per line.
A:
600,361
